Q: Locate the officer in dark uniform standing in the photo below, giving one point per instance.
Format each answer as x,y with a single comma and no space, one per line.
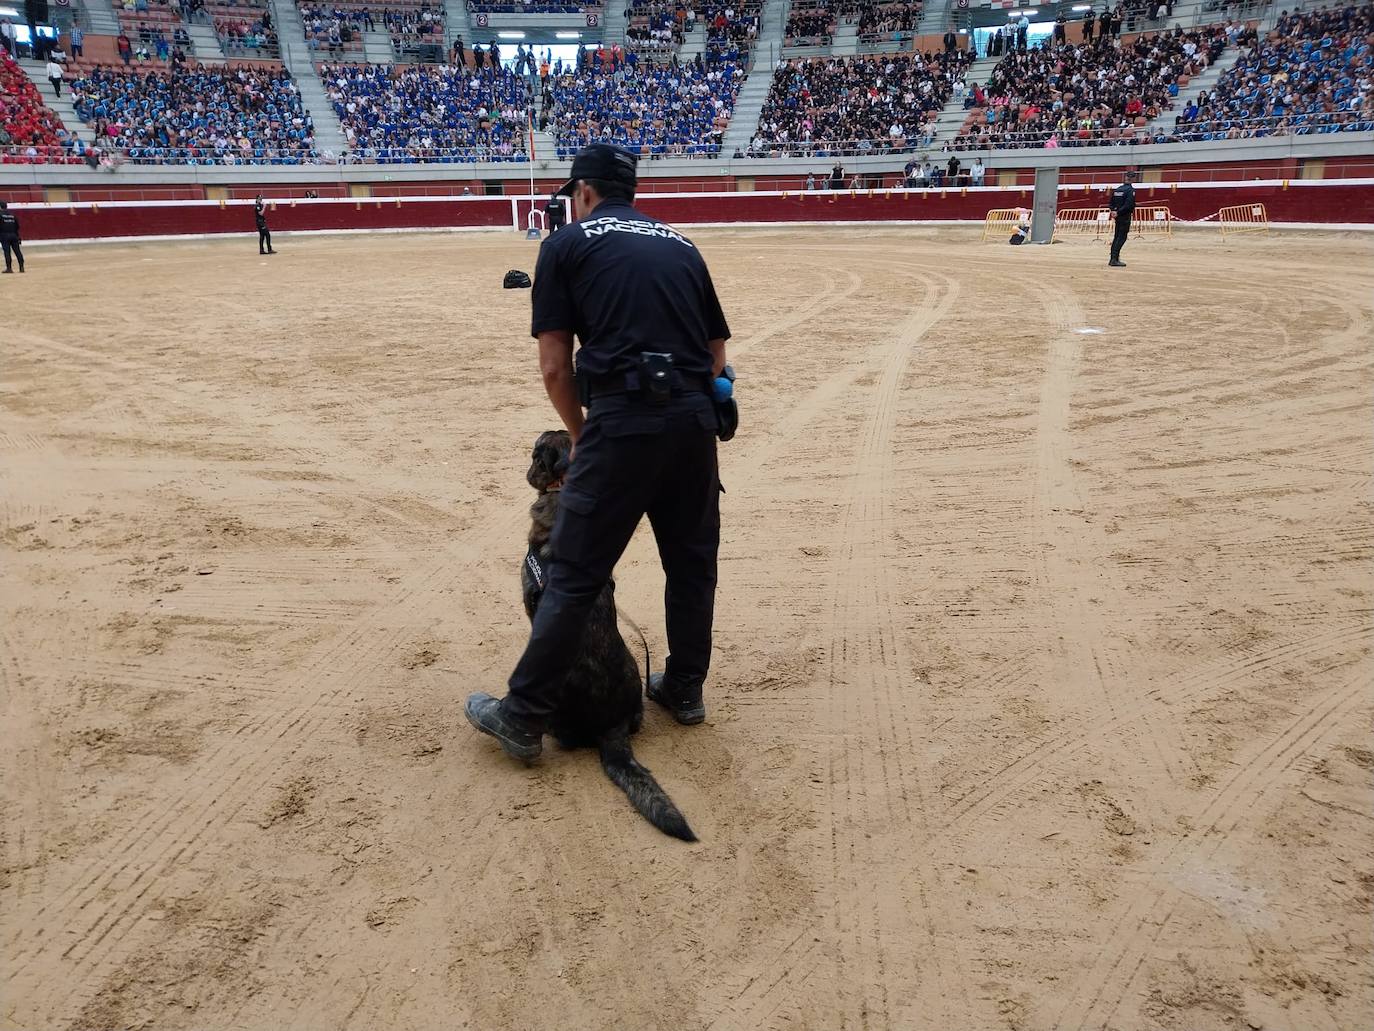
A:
1122,207
10,238
264,234
638,296
556,209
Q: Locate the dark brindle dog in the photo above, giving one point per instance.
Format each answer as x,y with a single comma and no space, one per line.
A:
602,704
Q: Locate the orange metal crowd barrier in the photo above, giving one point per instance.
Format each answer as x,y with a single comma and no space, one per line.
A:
1081,220
1001,221
1243,218
1153,220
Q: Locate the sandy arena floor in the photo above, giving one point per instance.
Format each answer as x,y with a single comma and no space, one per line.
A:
1042,687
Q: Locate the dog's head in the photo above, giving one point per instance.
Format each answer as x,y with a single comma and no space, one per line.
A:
549,460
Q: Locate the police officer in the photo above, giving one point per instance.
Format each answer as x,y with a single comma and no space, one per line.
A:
1122,207
10,238
638,296
264,234
556,209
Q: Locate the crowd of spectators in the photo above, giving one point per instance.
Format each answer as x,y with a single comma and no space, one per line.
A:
856,105
656,28
446,113
29,131
653,110
895,20
1075,95
530,7
810,23
1313,74
246,27
814,22
225,115
339,27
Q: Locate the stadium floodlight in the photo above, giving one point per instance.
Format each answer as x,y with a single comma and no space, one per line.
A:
511,35
568,35
1082,7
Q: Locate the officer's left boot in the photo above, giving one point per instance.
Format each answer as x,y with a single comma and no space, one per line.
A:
687,711
519,742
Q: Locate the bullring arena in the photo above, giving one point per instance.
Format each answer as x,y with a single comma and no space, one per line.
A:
1040,697
1041,690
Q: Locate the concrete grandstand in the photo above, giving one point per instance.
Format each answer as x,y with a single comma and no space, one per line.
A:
706,94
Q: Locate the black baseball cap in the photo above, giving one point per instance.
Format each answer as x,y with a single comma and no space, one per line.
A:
603,161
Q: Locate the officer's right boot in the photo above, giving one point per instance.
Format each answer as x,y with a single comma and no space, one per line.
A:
687,711
484,713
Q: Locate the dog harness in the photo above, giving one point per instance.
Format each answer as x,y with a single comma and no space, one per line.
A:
536,569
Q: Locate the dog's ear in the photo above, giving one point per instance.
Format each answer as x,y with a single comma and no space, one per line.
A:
549,459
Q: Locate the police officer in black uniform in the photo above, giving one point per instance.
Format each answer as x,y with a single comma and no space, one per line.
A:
10,238
264,234
1122,207
638,296
556,209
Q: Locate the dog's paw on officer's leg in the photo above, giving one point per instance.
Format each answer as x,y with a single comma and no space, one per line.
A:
687,712
484,713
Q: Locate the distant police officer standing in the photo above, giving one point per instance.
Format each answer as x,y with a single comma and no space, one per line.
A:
264,234
557,211
10,238
639,298
1122,205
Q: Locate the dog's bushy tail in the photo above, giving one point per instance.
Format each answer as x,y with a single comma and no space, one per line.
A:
638,783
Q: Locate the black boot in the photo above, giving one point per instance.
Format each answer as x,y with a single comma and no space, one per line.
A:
1117,263
484,712
687,711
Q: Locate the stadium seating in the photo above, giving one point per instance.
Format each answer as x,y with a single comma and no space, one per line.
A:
244,27
411,113
230,115
656,28
29,132
887,22
811,23
337,29
857,105
1088,94
1311,75
651,110
530,7
153,30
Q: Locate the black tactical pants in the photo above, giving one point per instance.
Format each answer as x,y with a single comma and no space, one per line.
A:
633,459
1123,230
10,245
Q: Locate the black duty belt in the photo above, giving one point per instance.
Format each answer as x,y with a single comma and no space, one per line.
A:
629,383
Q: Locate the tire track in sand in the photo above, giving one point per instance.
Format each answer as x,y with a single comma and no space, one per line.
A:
1098,995
103,898
868,765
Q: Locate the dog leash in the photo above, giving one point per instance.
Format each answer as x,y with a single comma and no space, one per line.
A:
642,640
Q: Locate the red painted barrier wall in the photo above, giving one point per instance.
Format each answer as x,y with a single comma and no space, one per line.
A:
1314,203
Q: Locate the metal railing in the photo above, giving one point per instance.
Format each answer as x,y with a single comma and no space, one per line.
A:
1207,130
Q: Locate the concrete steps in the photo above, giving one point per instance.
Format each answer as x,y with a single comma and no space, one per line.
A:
1201,84
692,44
951,117
300,62
846,40
205,46
60,106
936,16
748,106
613,22
100,18
377,48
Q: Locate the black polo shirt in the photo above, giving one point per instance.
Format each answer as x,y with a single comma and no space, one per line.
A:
1123,199
625,283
